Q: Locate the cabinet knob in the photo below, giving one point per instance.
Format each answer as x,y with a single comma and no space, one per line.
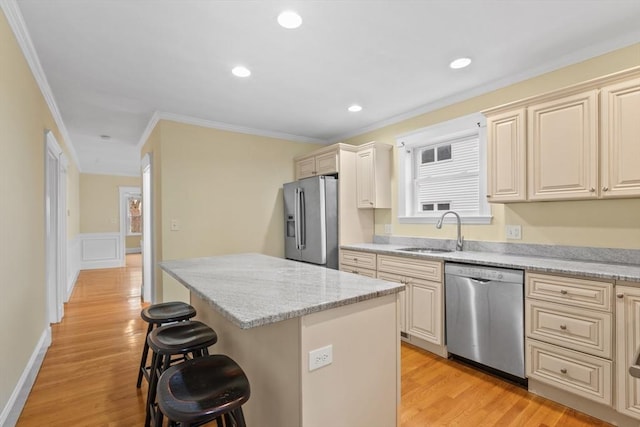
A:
355,260
488,196
605,188
592,190
354,272
563,327
620,295
371,203
563,370
563,291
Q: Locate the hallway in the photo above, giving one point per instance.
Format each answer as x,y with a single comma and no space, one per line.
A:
88,375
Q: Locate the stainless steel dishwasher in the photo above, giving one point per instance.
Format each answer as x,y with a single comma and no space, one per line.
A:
484,316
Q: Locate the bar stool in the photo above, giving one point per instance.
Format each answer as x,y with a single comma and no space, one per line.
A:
202,390
156,315
188,338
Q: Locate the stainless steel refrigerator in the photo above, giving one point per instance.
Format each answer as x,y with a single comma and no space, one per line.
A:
311,220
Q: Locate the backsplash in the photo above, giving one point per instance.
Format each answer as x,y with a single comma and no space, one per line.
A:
578,253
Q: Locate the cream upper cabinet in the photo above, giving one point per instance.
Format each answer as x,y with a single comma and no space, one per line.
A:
507,156
319,164
562,141
620,139
628,342
373,176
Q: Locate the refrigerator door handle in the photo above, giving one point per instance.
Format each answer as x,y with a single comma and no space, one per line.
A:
302,222
299,223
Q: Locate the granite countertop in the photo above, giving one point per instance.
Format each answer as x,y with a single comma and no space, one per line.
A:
253,290
609,271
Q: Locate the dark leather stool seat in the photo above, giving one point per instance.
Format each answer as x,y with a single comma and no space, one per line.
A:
188,338
201,390
156,315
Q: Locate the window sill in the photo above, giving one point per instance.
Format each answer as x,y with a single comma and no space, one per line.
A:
449,219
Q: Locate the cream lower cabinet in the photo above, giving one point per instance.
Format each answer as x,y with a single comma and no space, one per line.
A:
628,343
363,263
424,303
569,334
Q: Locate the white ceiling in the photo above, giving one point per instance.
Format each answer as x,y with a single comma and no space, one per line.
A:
112,64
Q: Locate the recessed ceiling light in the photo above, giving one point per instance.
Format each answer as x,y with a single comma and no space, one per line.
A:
241,71
460,63
289,19
355,108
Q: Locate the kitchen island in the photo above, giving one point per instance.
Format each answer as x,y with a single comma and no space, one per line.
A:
270,313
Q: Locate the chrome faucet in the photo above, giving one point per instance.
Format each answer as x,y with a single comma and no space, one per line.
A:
460,238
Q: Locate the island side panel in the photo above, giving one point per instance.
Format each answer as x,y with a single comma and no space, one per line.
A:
361,387
270,356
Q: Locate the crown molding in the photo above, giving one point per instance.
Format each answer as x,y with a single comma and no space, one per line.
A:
159,115
19,28
564,61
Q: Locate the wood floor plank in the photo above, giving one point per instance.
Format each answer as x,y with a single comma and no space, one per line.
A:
89,373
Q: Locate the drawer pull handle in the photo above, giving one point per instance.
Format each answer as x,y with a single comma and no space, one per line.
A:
563,370
620,295
563,291
563,327
355,271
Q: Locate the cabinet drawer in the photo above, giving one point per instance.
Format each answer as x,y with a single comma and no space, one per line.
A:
358,259
578,329
578,373
428,270
570,291
358,270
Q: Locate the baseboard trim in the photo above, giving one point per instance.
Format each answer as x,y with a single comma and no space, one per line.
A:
71,285
15,404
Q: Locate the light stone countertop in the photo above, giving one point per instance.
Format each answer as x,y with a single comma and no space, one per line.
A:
253,290
610,271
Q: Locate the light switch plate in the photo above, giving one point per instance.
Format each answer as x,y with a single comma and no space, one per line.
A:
387,229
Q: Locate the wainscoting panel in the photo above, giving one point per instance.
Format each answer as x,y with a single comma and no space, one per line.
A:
101,250
74,260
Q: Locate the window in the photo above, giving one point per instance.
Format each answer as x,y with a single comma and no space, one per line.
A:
442,168
134,215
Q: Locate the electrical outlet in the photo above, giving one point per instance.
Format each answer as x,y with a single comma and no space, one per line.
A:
320,357
175,225
387,229
513,232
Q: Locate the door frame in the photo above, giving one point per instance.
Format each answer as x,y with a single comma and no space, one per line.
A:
55,227
124,194
148,253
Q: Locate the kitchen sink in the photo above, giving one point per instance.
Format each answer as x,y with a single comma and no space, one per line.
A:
425,250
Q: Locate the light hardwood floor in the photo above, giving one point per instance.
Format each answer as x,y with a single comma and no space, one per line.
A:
89,373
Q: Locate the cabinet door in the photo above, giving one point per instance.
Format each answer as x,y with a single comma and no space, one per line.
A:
424,300
389,277
305,167
365,178
627,344
327,163
507,157
620,121
562,148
